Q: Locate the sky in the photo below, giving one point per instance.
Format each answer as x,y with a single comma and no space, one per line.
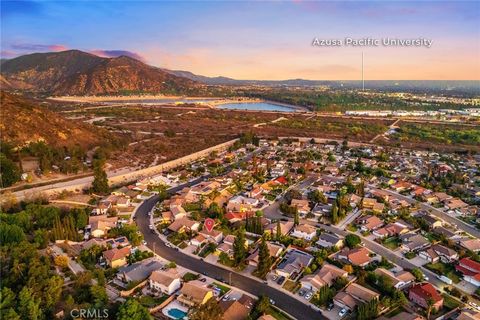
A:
264,40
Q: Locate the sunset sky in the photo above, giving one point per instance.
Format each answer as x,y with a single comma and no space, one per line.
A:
256,40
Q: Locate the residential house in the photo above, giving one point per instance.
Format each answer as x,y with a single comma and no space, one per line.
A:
302,206
402,186
324,277
117,257
357,256
99,225
304,231
241,204
293,263
414,242
285,227
235,309
329,240
399,280
354,295
184,224
471,244
432,221
194,293
177,211
422,293
275,251
369,222
391,230
213,236
165,281
470,270
455,204
439,252
139,271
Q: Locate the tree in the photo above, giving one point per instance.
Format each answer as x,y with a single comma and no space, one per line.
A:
317,196
10,234
264,259
352,240
210,310
430,303
239,250
214,210
296,219
293,194
262,305
61,261
278,232
334,213
9,173
100,180
323,296
132,310
28,306
418,274
348,268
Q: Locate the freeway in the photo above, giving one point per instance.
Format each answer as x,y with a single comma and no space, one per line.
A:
282,300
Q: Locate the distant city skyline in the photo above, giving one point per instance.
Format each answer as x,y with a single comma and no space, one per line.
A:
257,40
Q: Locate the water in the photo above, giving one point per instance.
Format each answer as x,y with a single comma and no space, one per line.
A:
257,106
176,313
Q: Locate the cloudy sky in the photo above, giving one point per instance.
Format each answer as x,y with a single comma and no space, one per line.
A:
258,39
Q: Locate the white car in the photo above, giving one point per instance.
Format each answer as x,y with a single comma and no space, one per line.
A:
342,313
308,296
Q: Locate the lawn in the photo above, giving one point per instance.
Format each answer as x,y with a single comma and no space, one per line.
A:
391,243
149,302
441,268
278,314
450,303
224,289
291,286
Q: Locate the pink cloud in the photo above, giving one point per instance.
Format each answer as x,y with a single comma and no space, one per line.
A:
35,47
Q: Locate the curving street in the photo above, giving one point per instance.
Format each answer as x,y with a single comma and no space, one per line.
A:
282,300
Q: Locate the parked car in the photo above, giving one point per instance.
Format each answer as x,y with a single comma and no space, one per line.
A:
342,313
308,296
330,306
275,277
301,293
281,280
272,302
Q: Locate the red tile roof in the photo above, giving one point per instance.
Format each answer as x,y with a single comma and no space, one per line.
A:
470,264
426,291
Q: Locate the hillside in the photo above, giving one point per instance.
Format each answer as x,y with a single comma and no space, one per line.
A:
74,72
24,121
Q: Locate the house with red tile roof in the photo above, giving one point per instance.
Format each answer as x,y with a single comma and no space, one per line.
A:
470,270
422,293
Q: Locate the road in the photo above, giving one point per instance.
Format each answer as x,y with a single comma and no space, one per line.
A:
282,300
439,213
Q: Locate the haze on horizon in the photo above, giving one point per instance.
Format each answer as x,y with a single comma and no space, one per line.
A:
256,40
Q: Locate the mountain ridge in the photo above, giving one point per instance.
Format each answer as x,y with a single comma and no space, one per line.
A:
74,72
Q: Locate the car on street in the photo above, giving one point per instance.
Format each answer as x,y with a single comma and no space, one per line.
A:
272,302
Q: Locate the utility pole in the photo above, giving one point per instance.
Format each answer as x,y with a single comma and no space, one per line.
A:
363,79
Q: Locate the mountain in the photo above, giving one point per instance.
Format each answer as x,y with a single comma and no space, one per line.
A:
74,72
24,120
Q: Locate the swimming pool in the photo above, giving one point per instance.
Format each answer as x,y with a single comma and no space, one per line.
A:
175,313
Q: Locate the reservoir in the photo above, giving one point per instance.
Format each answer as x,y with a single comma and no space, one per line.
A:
256,106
